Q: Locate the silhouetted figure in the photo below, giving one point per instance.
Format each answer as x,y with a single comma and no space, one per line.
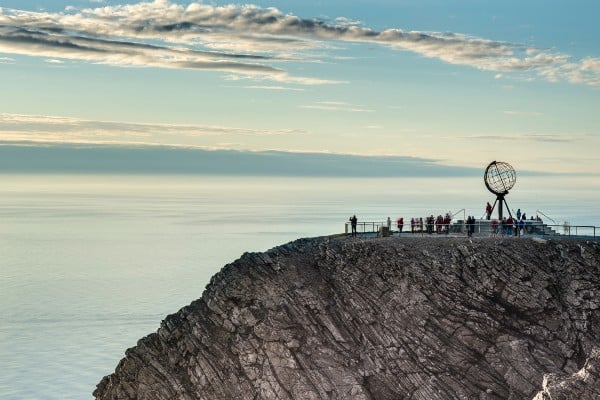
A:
430,222
470,225
353,222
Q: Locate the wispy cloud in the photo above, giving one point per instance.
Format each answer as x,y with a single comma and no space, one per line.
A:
252,41
276,88
523,113
336,106
547,138
55,129
587,71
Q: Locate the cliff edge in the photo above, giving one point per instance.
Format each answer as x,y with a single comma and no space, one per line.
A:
415,318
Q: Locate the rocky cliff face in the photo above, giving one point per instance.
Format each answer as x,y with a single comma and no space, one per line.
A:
414,318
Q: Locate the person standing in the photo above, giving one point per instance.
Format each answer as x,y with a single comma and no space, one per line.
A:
353,223
521,226
430,222
509,225
488,210
447,220
494,227
470,225
400,224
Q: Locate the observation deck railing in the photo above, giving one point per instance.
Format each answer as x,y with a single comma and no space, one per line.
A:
365,227
484,227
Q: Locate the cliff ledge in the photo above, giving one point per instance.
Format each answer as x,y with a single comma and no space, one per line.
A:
414,318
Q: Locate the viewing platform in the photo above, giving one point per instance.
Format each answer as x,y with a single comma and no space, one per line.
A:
481,228
499,178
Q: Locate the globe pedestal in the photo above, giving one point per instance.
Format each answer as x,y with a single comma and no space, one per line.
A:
501,200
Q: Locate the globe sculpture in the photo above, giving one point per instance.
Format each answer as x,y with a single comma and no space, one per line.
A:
499,178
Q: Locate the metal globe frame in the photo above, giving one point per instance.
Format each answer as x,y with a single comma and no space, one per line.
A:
499,178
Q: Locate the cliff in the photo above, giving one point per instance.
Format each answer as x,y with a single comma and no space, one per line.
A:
415,318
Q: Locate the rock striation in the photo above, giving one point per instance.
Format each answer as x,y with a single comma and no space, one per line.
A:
411,318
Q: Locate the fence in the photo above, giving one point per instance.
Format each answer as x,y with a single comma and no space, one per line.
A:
576,230
484,227
365,227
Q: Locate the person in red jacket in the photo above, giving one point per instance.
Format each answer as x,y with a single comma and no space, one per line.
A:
494,227
400,224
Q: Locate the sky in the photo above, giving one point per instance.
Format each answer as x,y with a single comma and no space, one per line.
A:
414,83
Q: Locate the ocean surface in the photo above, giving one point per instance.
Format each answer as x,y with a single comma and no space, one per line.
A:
91,263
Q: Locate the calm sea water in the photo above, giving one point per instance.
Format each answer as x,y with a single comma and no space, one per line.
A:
90,264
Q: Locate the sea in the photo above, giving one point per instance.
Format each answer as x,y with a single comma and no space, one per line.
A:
89,264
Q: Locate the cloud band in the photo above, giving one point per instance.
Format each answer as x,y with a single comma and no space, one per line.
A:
250,41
